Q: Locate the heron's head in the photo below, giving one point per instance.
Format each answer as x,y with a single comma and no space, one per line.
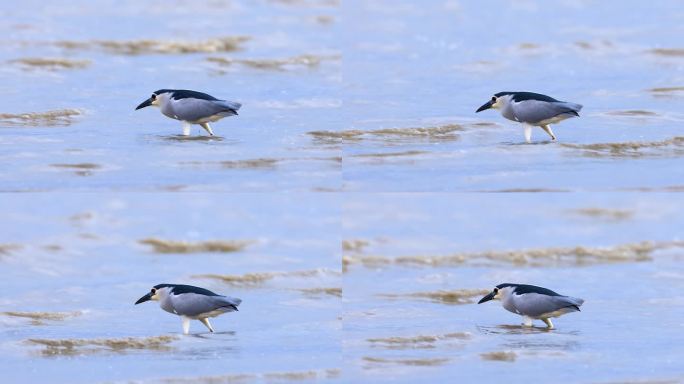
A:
157,293
497,101
158,99
499,292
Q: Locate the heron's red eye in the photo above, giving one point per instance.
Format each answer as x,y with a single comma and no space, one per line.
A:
493,99
496,290
153,97
153,291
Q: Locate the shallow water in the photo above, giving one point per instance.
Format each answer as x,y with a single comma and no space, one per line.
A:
74,58
357,205
75,262
405,72
419,319
93,258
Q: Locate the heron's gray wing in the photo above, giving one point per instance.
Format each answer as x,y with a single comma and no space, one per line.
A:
192,304
534,111
230,301
190,109
534,304
231,104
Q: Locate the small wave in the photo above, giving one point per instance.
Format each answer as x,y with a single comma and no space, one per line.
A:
324,19
211,246
39,318
666,91
632,112
525,190
51,63
6,249
509,356
605,213
354,245
238,164
258,278
670,52
309,61
426,362
554,256
435,132
392,154
630,148
59,117
331,291
141,47
330,373
53,347
77,166
260,163
79,169
417,342
249,164
459,296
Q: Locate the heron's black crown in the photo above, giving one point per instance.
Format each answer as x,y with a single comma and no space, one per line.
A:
520,96
178,289
178,94
521,289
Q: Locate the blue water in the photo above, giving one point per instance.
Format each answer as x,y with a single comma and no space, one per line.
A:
345,149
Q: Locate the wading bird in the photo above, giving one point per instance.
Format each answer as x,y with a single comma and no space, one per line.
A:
190,303
532,302
191,107
532,109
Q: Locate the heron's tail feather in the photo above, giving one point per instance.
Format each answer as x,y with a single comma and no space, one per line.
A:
573,106
574,301
232,105
231,302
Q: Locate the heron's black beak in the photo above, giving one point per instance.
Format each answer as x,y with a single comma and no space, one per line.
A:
485,299
144,104
143,299
486,105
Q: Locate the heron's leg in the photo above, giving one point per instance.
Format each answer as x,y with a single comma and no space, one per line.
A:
548,323
528,132
207,128
205,321
186,325
527,321
548,130
186,129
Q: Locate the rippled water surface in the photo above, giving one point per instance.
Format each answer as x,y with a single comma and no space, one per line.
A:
73,285
432,64
74,72
357,205
416,265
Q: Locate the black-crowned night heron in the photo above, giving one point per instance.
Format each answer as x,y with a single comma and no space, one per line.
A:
532,302
191,303
191,107
532,109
